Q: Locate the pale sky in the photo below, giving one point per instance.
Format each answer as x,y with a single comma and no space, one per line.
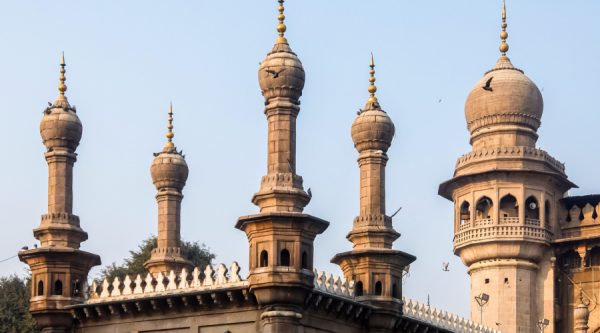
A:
127,59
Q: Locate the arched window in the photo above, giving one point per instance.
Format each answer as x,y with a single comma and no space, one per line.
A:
58,288
358,289
394,291
40,288
484,208
465,213
509,209
264,259
284,257
378,288
304,260
532,208
547,214
76,288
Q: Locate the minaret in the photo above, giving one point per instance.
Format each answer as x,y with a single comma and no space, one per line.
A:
58,268
372,264
169,172
506,196
281,236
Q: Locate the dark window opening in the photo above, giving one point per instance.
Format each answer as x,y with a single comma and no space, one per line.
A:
487,281
284,257
483,208
532,209
76,288
304,260
40,288
358,289
509,208
264,259
394,291
465,213
506,280
58,288
547,214
378,288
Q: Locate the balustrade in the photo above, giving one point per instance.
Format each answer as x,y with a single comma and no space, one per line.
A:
502,232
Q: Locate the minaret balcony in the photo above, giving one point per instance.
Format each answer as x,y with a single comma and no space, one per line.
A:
508,228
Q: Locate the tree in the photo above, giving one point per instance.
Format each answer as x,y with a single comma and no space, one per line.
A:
14,305
197,253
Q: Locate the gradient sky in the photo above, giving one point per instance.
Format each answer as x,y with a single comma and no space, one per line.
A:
127,59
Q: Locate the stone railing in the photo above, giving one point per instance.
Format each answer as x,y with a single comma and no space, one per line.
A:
162,284
483,222
465,225
509,220
502,232
530,221
335,285
442,319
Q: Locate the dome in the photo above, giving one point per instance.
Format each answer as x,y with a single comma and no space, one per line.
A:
504,96
281,74
373,129
60,127
169,169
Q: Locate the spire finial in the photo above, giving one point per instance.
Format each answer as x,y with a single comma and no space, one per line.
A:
62,87
170,134
503,34
372,87
281,28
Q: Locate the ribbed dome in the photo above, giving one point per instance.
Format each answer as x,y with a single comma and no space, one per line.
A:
372,129
281,74
509,98
169,170
60,127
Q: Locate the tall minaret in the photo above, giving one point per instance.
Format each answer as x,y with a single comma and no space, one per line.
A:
169,172
372,264
281,236
506,196
58,268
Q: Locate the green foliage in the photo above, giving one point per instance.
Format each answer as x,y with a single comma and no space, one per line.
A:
197,253
14,305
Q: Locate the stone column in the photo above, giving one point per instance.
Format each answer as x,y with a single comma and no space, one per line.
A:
372,182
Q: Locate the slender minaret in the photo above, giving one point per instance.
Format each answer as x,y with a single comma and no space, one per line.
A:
281,237
58,268
372,264
169,172
506,196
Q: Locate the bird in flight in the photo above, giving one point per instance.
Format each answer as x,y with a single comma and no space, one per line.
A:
445,266
488,84
274,73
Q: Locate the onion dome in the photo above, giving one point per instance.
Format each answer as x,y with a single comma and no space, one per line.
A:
281,73
169,169
372,128
60,126
504,95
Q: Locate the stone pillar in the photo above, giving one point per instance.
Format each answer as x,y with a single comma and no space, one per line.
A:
372,182
581,315
60,180
169,218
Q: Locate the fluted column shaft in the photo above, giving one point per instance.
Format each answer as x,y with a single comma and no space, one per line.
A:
60,180
372,182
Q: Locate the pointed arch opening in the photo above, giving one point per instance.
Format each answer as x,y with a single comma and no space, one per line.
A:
40,288
304,260
532,211
264,259
358,289
509,210
483,209
394,291
58,288
465,214
284,257
378,288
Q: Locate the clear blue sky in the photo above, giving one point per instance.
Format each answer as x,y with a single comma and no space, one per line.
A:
128,59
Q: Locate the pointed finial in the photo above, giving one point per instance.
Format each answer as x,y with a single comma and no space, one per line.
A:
503,34
170,134
62,87
372,87
281,28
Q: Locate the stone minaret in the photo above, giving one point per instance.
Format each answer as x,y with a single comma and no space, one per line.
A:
506,196
169,172
372,264
58,268
281,236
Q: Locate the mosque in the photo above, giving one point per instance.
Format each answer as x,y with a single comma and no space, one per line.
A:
532,251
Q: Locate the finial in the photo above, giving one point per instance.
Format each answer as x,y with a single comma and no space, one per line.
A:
62,87
503,34
281,28
170,134
372,87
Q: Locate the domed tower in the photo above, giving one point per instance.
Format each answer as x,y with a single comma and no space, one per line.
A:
506,196
281,236
169,172
372,264
59,268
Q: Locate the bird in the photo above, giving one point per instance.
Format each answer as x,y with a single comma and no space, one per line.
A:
25,248
439,100
396,212
274,73
488,84
445,266
35,245
359,112
49,104
309,192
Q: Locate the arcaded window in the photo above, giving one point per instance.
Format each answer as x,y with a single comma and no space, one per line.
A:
284,257
40,288
484,209
358,289
509,209
264,259
304,260
378,288
58,288
465,213
532,209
